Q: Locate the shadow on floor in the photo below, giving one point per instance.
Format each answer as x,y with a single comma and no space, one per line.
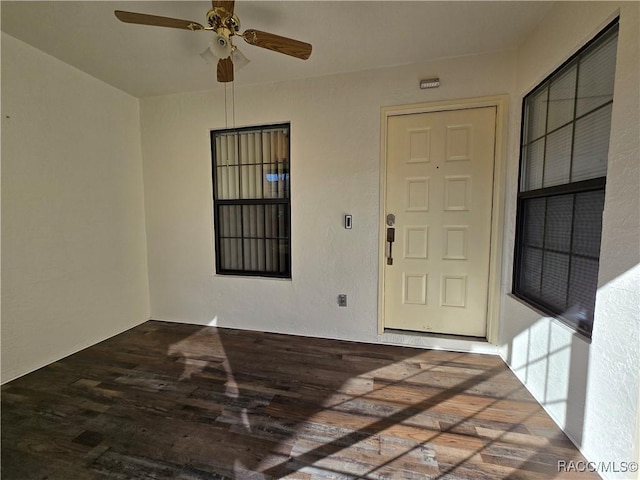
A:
167,400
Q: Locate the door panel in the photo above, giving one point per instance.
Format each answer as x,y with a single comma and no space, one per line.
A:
439,186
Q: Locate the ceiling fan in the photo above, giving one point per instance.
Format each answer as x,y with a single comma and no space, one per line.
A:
225,24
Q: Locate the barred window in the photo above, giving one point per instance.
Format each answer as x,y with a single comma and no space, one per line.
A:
563,168
252,201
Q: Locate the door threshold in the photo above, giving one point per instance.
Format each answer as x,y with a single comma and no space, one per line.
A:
437,341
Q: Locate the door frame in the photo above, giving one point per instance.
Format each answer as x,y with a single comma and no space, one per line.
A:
500,102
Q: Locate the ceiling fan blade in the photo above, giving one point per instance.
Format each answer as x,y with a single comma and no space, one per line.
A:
285,45
144,19
227,5
225,70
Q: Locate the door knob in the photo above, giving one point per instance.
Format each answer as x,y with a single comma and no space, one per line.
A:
391,237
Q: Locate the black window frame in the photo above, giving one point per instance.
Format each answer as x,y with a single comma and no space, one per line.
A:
598,184
218,203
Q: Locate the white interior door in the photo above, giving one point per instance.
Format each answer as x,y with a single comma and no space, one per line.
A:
439,187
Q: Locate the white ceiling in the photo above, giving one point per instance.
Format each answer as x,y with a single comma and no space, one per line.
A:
346,36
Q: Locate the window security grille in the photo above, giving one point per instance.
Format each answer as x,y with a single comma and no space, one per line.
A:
252,207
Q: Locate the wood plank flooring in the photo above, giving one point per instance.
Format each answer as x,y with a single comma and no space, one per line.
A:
174,401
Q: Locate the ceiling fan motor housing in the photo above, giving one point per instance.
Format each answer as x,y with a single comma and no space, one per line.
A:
220,19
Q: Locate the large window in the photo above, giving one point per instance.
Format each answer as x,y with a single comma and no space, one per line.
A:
563,168
252,201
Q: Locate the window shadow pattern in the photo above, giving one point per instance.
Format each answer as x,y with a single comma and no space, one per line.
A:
167,400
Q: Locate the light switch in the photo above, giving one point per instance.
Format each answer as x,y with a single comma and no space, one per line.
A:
347,222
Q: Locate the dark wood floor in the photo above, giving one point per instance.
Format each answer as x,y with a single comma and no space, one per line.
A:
173,401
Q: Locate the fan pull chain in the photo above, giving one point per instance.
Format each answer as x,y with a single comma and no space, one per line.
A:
226,115
233,106
233,95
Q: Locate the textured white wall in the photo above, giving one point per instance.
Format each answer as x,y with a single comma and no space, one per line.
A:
74,266
74,256
589,389
335,138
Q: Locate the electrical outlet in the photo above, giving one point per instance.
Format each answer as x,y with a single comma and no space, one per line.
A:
342,300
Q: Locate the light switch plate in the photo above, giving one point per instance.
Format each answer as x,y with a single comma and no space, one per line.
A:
342,300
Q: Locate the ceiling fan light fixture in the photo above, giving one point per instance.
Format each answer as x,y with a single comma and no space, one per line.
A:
220,46
209,57
239,60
